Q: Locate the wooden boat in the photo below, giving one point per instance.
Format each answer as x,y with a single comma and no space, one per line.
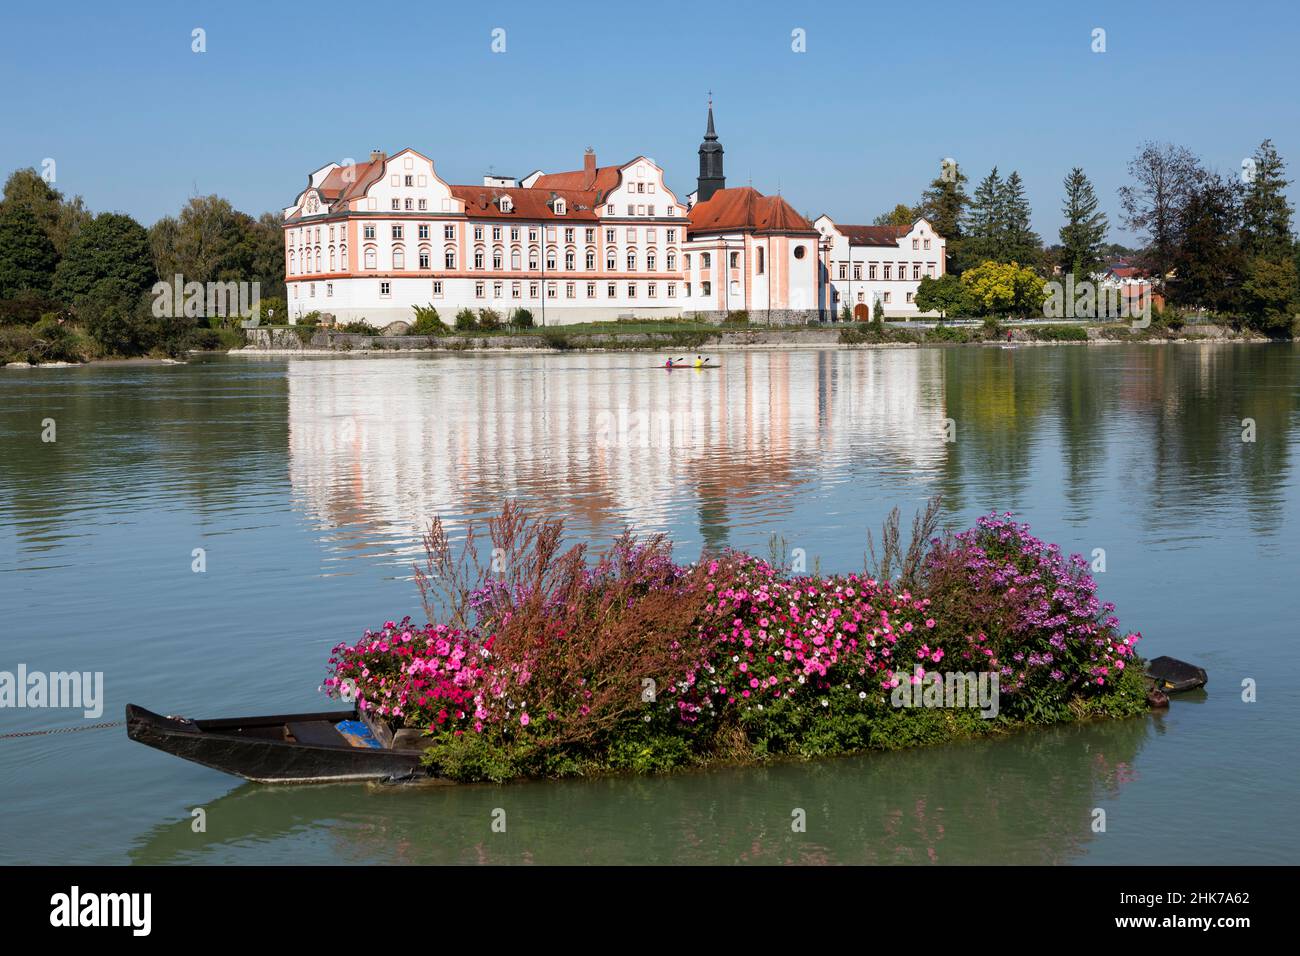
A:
286,748
1174,676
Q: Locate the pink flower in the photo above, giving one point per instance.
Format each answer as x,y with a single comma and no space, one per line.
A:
524,719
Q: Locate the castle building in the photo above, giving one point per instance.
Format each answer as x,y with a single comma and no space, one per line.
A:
870,264
370,241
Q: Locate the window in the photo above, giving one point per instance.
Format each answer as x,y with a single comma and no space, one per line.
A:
496,233
591,290
631,210
609,235
672,235
672,290
478,259
569,264
423,232
559,207
610,290
385,288
514,290
408,205
370,259
514,233
343,257
329,290
706,260
449,232
591,261
762,260
929,269
800,252
650,210
410,181
506,204
424,205
688,261
650,290
331,260
609,210
514,259
706,288
631,261
844,271
449,260
672,262
568,235
550,259
927,243
550,290
687,292
496,290
312,290
478,232
640,187
532,290
437,288
916,270
735,260
916,243
871,271
369,231
611,260
533,263
887,297
424,259
631,234
591,235
397,232
857,271
888,269
631,290
909,297
532,235
399,258
478,290
396,205
649,262
497,259
570,290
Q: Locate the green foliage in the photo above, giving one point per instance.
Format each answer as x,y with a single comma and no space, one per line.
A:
1058,333
27,307
900,215
1084,232
118,318
466,320
489,320
27,256
359,328
522,319
111,246
736,317
998,288
60,219
427,321
273,310
944,295
54,341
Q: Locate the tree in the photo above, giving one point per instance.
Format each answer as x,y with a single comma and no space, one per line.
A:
983,228
27,256
1163,177
943,205
117,317
900,215
207,242
1270,293
1003,288
112,246
944,295
61,219
1266,213
1084,232
1208,256
1017,241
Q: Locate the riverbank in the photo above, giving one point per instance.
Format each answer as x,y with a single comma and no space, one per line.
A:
304,341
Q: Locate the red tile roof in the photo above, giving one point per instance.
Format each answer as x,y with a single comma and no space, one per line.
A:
874,235
746,208
534,203
598,180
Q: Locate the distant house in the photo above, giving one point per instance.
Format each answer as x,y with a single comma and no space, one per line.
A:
885,264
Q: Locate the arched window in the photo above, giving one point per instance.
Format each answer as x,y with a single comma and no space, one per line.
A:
332,263
514,259
672,261
371,259
550,257
424,258
631,260
399,258
760,261
498,258
611,260
343,257
534,259
569,260
293,262
449,259
649,262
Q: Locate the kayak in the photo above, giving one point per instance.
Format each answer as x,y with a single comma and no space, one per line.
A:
672,367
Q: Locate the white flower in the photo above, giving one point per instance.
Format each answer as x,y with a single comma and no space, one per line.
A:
824,703
862,695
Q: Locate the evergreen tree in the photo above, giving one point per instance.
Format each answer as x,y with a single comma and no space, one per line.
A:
59,218
1209,260
983,227
1017,241
1084,232
1266,212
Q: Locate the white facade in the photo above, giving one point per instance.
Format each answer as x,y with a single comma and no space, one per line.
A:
866,264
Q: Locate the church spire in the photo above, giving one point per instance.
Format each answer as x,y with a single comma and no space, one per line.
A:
711,177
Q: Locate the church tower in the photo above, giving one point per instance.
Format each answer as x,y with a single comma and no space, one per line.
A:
711,177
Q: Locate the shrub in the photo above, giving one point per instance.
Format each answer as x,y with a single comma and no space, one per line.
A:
203,339
1059,333
522,319
359,328
740,317
427,321
466,321
489,320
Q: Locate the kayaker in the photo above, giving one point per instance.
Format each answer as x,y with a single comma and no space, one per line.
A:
669,363
699,362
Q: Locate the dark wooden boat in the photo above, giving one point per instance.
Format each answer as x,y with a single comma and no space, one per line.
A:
285,748
1174,676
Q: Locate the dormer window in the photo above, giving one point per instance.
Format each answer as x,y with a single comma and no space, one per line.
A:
506,204
558,207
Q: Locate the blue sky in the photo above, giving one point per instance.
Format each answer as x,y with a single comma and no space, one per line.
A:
137,123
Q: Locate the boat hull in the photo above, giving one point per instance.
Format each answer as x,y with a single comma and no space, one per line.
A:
248,747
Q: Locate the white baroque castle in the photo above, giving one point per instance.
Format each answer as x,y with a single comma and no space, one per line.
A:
370,241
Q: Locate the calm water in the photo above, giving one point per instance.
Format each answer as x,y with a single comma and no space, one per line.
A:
306,482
